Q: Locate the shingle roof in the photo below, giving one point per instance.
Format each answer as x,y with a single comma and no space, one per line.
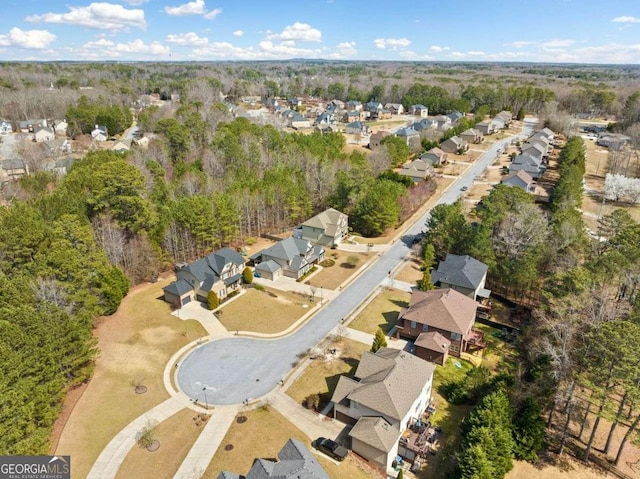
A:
433,341
269,266
329,220
13,164
376,432
295,462
214,263
517,178
463,271
444,309
287,249
390,381
406,132
179,287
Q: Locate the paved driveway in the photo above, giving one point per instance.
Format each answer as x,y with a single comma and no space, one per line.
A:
228,371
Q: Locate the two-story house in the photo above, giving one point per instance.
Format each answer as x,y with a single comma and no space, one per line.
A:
410,136
292,257
220,272
395,108
465,274
455,144
419,110
327,228
390,388
446,311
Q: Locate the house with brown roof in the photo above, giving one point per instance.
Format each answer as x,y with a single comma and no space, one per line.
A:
389,391
418,170
520,179
435,156
375,140
327,228
446,311
455,145
472,136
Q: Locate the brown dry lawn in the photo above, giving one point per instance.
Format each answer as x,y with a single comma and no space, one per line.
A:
322,375
135,344
382,312
410,272
176,435
262,312
262,436
333,276
569,469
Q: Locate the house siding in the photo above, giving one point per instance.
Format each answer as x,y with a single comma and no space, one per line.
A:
432,356
411,334
379,458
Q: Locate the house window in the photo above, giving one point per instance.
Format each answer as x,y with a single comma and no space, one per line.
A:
455,348
425,327
413,324
456,336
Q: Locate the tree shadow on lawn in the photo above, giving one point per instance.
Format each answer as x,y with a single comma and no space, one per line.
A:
390,318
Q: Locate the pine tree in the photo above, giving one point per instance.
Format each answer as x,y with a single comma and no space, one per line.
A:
212,300
379,341
425,283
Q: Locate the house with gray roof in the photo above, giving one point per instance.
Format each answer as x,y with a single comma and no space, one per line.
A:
14,169
446,311
419,110
425,124
530,164
455,116
411,136
298,121
43,134
418,170
295,461
435,156
220,272
353,105
390,390
520,179
486,127
294,256
465,274
327,228
395,108
30,126
375,140
455,145
99,133
357,128
472,136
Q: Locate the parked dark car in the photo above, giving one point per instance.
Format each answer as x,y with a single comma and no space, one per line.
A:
331,448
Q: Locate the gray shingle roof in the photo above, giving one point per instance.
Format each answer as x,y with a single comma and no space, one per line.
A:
179,287
463,271
214,263
269,266
390,381
287,249
295,462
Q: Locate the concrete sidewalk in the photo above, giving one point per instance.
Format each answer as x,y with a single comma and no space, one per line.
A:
197,460
112,456
196,310
367,338
395,284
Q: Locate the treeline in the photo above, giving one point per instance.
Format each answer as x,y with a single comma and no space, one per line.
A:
85,115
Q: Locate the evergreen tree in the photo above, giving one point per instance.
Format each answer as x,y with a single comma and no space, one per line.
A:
213,301
247,275
379,341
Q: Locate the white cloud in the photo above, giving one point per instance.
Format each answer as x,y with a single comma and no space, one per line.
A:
187,39
297,32
392,43
626,19
346,49
271,50
99,15
139,47
520,44
36,39
557,43
238,33
213,13
223,50
476,53
608,53
197,7
135,2
101,43
438,49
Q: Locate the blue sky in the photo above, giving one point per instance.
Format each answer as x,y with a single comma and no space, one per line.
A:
576,31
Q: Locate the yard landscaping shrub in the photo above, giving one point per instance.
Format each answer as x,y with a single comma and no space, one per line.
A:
328,263
247,275
233,294
212,300
312,401
352,261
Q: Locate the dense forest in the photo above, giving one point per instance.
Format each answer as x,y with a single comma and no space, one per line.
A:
70,246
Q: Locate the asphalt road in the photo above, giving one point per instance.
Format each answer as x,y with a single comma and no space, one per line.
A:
228,371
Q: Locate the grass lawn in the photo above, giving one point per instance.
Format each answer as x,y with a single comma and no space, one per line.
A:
410,272
322,375
135,344
498,351
176,435
333,276
262,436
260,312
382,312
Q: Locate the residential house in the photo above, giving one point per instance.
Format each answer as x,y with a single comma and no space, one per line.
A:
548,133
220,272
443,122
327,228
472,136
615,141
373,106
294,102
324,128
339,104
58,146
61,166
543,141
30,126
99,133
142,142
298,121
536,150
294,256
411,137
354,115
465,274
425,124
418,170
60,127
384,114
395,108
357,128
455,144
419,110
43,133
446,311
390,389
520,179
121,146
435,156
433,347
326,118
11,170
376,138
295,461
455,116
353,105
486,127
5,127
498,123
505,116
532,165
